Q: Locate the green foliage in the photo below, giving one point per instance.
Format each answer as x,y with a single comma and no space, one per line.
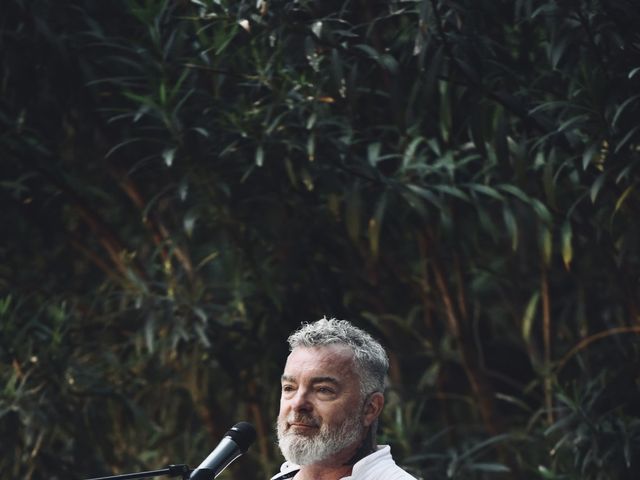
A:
185,181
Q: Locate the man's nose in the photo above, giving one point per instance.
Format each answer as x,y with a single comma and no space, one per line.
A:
300,401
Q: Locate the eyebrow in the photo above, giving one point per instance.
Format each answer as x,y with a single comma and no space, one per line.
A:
314,380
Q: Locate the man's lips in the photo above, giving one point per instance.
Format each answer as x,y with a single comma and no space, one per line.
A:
303,426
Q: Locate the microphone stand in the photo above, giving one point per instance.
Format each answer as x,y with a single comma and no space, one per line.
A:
170,471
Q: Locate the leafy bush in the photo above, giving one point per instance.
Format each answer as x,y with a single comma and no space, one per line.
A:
184,182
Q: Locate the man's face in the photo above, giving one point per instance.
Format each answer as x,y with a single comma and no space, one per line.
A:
321,405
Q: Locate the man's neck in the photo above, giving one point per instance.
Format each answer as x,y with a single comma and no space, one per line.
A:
321,472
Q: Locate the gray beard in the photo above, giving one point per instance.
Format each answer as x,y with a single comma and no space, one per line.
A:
306,450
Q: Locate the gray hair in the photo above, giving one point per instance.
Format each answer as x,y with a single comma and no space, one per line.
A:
370,358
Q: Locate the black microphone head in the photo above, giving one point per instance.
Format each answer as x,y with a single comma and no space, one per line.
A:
243,434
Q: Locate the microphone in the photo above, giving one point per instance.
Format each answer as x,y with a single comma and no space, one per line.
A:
235,442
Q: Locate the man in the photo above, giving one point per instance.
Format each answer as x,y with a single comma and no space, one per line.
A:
332,395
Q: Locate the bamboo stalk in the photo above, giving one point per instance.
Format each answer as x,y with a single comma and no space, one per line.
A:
262,429
159,232
546,334
96,260
478,382
585,342
425,284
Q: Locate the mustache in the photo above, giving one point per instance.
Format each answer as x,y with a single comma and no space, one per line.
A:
304,419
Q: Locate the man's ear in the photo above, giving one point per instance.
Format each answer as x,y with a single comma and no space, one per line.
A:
373,408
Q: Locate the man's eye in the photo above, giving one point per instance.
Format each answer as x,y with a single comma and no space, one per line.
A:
325,390
287,388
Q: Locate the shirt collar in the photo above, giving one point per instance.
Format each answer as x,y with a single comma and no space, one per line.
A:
288,469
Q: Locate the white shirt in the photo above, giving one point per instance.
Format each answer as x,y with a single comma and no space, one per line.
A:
378,465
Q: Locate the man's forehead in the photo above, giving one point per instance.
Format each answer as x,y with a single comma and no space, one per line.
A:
335,358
